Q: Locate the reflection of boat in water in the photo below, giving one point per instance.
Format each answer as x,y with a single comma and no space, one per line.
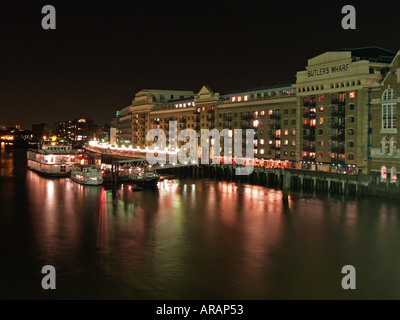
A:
88,175
56,161
145,177
136,188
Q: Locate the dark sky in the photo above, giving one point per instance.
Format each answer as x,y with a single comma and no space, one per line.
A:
103,52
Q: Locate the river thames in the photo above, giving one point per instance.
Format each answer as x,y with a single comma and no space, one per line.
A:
190,239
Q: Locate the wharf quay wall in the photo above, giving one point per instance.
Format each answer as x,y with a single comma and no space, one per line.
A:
288,179
297,179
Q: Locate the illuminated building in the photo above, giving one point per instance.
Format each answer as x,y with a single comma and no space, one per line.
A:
340,115
76,132
333,103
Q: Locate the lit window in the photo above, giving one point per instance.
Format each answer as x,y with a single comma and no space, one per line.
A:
320,155
262,113
293,142
293,132
262,151
246,98
313,122
270,141
352,95
239,99
233,99
262,141
383,174
389,94
321,108
255,123
321,120
270,112
286,132
393,175
286,142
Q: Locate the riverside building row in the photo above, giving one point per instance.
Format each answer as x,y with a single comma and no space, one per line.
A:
341,114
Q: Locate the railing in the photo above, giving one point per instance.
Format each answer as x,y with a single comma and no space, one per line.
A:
275,126
309,103
309,137
338,114
309,148
309,114
246,117
338,126
339,150
340,137
275,116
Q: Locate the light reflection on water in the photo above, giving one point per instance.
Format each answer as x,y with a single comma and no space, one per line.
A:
191,240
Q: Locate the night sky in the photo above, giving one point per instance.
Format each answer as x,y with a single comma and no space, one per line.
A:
102,53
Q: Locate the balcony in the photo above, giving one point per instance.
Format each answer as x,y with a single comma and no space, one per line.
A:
274,137
341,114
308,158
309,148
339,137
275,147
337,101
309,114
246,117
248,126
338,126
309,137
309,104
275,116
338,149
274,126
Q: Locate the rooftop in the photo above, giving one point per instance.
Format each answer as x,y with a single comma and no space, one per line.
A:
373,54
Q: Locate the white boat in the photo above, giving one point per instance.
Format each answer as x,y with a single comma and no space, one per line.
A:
88,175
56,161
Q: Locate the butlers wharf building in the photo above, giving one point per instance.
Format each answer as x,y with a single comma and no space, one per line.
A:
340,115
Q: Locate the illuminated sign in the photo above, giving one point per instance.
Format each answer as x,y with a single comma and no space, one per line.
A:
329,70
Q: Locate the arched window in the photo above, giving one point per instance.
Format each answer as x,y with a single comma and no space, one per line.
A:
383,174
389,94
393,175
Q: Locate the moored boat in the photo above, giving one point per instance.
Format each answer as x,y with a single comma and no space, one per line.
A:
144,177
56,161
87,175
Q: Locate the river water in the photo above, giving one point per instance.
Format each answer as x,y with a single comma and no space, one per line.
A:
190,239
